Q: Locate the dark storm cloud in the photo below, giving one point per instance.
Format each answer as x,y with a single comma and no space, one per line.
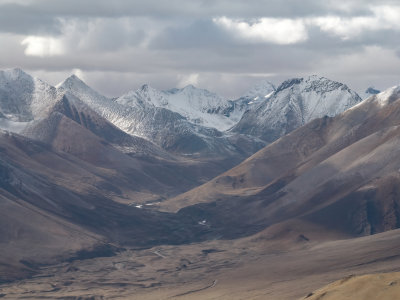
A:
47,10
197,34
108,35
174,8
327,44
15,18
168,43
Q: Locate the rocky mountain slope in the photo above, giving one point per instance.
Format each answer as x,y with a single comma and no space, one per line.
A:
294,103
84,176
339,173
168,129
56,204
381,286
22,99
198,106
33,108
174,119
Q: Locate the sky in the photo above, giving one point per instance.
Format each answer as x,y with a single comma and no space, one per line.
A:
225,46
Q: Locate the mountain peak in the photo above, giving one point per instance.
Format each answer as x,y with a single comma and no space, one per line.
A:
296,102
190,87
148,88
75,86
74,77
388,96
315,83
192,91
315,77
15,73
72,80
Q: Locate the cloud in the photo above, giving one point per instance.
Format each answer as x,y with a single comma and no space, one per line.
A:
221,45
24,19
190,35
42,46
83,36
186,80
382,18
79,73
167,9
266,30
373,66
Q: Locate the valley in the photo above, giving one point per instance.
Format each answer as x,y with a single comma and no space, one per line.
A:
149,196
250,268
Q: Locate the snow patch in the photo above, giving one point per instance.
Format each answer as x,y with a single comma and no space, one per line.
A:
385,97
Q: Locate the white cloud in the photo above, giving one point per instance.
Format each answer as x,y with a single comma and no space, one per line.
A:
79,73
269,30
383,17
120,51
285,31
42,46
188,79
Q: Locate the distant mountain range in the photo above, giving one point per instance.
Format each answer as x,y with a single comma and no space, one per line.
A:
187,121
83,172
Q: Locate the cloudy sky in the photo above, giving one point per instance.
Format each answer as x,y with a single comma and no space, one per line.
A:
225,46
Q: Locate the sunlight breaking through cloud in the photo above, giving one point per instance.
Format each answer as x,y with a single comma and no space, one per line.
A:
42,46
269,30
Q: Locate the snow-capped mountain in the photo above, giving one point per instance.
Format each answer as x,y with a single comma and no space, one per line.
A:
31,107
137,115
23,98
198,106
74,120
182,121
294,103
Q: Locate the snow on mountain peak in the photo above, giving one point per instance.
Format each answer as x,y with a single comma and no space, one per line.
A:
190,87
191,90
23,98
78,88
145,96
13,74
313,83
73,82
316,96
295,102
388,96
198,106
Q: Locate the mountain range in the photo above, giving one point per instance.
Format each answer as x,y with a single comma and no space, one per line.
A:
294,103
184,179
339,173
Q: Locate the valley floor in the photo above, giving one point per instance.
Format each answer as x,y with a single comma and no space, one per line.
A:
247,268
